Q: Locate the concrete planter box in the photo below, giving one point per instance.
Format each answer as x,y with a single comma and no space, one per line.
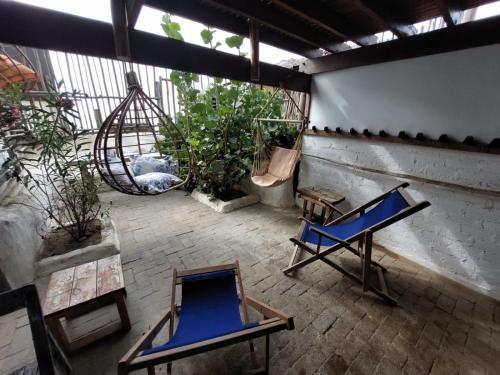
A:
279,196
108,246
221,206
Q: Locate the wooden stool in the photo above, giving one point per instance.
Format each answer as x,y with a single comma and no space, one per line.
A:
78,290
326,199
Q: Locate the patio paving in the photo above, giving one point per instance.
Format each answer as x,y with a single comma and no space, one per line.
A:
439,327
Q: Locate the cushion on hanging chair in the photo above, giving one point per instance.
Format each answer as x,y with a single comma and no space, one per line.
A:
117,170
142,164
157,181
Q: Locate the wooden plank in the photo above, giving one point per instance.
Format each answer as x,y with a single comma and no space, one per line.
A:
378,11
84,283
109,275
466,35
59,291
206,15
317,14
222,267
451,11
204,346
37,27
254,51
133,10
97,334
120,29
280,21
321,194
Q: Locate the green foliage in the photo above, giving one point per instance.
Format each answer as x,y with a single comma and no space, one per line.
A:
171,29
219,127
57,167
234,41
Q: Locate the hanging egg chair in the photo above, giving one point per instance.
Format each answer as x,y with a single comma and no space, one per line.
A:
138,149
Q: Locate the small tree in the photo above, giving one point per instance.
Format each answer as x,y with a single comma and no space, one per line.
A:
218,121
56,167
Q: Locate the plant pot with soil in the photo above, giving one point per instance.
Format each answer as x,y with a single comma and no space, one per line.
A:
58,172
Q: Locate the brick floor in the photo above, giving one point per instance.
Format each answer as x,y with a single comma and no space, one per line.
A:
439,327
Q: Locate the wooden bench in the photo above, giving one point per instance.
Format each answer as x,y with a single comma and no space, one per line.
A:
323,198
78,290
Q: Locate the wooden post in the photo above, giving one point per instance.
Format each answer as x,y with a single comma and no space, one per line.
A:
367,261
120,29
254,51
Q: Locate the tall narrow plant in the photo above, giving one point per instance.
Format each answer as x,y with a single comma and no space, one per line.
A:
56,168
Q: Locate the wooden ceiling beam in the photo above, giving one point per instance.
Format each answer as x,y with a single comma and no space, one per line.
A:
120,29
451,11
36,27
315,14
133,10
376,11
279,21
466,35
209,16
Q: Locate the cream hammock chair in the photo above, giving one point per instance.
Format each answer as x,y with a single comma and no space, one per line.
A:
273,166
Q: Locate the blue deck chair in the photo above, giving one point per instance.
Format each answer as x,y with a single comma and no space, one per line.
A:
358,225
209,318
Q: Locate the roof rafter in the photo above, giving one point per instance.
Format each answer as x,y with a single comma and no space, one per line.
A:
210,16
316,15
33,26
451,11
466,35
279,21
377,11
133,10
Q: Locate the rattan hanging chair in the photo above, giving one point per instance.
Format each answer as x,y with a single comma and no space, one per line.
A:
138,149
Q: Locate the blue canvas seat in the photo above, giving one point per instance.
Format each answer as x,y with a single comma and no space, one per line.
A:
358,225
210,308
213,314
388,207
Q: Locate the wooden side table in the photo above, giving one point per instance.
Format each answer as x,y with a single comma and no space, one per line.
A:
78,290
323,198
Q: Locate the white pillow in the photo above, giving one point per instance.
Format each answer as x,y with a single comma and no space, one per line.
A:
156,181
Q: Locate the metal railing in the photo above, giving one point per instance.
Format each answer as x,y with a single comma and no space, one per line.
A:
100,84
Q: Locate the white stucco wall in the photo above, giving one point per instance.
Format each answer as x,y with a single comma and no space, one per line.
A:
454,93
459,235
20,242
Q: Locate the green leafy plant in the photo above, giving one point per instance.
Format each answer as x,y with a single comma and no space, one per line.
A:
219,123
56,166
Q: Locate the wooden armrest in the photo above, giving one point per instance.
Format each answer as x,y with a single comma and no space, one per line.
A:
304,219
170,355
144,341
270,312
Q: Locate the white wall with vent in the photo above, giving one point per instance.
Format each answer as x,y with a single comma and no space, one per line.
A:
459,235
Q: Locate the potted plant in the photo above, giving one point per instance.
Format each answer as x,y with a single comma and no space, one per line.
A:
56,169
219,128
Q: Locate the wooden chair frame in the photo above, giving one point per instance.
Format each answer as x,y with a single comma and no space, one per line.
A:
274,321
364,239
47,350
